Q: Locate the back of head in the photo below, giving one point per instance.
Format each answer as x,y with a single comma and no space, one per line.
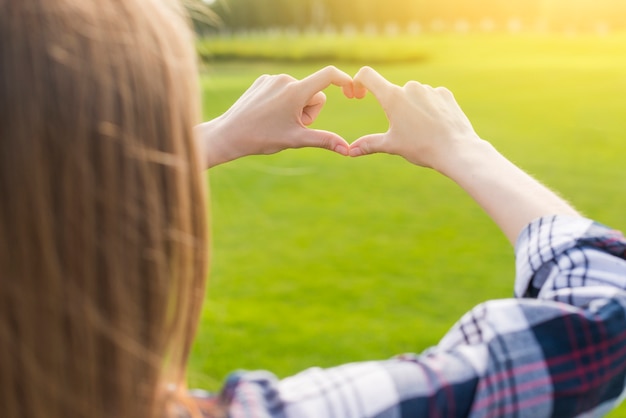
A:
102,216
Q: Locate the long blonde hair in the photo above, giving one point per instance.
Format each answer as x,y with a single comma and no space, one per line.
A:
103,235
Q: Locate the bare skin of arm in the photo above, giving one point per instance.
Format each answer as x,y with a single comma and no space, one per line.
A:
428,128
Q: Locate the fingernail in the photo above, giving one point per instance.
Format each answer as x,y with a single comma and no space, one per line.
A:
341,149
356,152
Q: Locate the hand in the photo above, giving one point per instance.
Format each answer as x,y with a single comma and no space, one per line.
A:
425,124
273,115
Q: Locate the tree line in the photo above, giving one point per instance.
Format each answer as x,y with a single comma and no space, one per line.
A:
261,14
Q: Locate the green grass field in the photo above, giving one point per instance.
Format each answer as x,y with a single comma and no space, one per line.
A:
319,260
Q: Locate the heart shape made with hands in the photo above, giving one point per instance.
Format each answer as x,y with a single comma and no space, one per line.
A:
353,88
275,113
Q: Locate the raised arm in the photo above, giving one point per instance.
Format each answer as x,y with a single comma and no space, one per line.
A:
273,115
428,128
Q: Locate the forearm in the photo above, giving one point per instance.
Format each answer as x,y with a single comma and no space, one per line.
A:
510,197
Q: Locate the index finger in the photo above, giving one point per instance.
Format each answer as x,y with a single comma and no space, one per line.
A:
368,79
323,78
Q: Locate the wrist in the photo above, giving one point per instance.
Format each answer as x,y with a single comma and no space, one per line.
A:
463,156
214,142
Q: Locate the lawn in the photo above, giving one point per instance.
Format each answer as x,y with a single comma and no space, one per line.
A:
319,260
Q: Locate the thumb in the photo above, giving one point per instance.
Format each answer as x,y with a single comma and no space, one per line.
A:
324,139
368,144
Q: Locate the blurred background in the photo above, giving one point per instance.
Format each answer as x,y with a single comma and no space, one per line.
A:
319,260
413,14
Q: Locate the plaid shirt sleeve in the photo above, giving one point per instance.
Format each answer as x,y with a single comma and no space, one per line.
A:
556,350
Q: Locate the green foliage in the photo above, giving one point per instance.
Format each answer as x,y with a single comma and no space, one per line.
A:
320,260
312,49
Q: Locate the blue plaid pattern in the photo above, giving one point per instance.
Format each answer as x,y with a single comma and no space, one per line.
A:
556,350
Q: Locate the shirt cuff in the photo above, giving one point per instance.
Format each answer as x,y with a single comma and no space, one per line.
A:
539,244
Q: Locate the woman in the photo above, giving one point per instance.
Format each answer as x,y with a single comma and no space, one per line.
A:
103,236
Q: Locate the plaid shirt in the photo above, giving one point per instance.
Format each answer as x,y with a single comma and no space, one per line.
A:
558,349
